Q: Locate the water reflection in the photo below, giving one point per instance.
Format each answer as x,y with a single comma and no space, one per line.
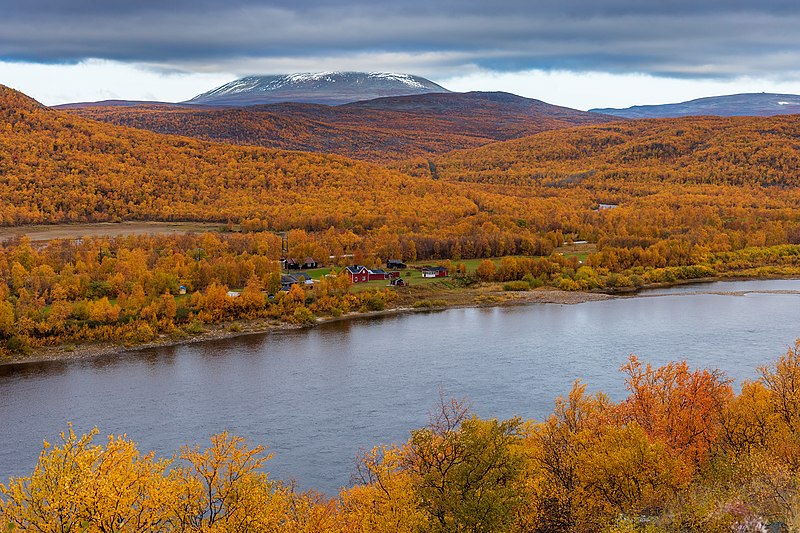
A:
24,370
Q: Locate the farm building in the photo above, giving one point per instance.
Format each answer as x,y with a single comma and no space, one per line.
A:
378,274
361,274
287,281
358,273
293,264
434,272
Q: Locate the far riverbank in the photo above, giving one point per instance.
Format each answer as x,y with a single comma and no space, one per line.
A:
482,297
488,295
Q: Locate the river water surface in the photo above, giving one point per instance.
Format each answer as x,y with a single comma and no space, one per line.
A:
316,396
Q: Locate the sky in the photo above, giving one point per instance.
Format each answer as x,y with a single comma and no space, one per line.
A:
577,53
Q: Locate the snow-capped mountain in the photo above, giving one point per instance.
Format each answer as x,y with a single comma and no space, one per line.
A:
330,88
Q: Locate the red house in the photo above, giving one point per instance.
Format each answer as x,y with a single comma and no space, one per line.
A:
379,274
358,273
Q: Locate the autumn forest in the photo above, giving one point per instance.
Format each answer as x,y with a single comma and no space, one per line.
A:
495,188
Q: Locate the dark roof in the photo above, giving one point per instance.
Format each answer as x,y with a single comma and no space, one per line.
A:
435,269
357,269
378,271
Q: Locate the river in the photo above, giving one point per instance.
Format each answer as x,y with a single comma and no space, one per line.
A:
316,396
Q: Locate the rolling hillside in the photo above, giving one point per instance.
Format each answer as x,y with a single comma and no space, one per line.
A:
62,168
696,150
698,183
379,130
681,185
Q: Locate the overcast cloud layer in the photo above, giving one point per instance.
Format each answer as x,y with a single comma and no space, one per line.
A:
678,38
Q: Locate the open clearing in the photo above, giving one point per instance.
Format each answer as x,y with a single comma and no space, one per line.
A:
75,231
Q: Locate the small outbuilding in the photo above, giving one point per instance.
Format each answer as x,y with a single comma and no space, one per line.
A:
287,280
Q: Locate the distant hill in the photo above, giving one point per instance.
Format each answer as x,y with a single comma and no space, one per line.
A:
500,115
329,88
383,129
734,105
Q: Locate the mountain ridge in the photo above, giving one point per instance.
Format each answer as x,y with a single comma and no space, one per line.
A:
731,105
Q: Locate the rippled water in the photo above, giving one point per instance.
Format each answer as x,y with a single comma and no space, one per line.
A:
316,396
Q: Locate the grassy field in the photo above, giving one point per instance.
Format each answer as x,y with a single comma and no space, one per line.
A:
581,251
315,273
75,231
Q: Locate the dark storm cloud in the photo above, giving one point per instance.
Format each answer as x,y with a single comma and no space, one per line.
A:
715,38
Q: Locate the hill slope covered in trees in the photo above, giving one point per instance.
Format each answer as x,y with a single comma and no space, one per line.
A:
61,168
715,183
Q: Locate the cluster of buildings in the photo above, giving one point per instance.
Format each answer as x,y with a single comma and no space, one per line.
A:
361,274
357,273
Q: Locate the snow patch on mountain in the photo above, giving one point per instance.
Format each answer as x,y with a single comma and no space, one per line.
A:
406,79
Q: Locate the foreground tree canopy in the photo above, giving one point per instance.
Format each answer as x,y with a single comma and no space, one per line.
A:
683,452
